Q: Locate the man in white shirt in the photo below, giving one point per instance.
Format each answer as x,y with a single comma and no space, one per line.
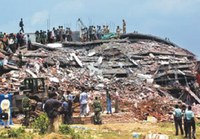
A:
83,101
5,107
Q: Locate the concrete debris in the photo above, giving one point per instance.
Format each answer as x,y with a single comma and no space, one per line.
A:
150,74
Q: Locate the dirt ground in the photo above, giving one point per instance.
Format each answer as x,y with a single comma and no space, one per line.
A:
117,126
119,130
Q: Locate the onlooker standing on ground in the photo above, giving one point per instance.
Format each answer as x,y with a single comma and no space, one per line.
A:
178,119
51,108
83,101
5,107
116,101
184,120
65,111
69,98
108,102
190,122
97,111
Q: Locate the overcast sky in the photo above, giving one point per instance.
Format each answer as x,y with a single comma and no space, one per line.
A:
179,20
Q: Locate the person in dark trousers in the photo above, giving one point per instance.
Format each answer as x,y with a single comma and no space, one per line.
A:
26,104
29,42
108,102
97,111
65,112
70,101
68,97
51,107
184,120
190,123
178,119
21,25
20,59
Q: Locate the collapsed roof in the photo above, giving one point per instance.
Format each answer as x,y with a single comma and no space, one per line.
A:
137,65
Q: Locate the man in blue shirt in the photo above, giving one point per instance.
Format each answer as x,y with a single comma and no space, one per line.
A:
65,112
178,119
190,122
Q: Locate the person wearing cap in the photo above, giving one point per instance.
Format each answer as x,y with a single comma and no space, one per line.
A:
5,107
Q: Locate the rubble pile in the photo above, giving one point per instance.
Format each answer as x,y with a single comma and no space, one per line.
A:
141,71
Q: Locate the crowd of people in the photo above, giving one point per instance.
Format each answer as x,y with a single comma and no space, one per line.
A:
56,35
64,105
97,33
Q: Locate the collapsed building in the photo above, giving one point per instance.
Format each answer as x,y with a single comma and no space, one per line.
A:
150,74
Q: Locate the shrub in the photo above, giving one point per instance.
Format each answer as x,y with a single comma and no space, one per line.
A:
41,123
66,129
15,133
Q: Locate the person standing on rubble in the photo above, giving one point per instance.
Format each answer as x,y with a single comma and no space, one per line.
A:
51,107
83,101
21,25
118,30
20,59
190,122
97,111
108,102
178,119
124,26
29,42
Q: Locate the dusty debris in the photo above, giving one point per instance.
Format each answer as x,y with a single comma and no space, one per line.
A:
150,74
